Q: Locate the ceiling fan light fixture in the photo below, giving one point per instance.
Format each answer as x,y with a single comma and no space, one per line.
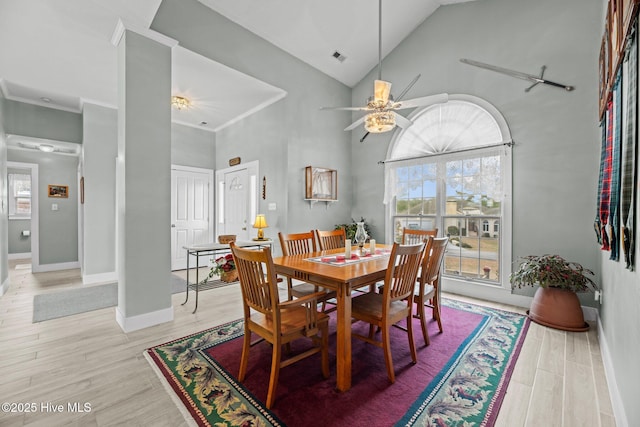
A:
381,91
380,121
180,102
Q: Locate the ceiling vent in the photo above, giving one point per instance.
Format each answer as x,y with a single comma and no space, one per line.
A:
340,57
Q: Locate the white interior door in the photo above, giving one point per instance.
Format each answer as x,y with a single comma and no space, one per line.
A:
237,200
236,216
190,211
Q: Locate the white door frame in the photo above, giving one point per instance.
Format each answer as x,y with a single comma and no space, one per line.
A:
253,169
208,172
35,213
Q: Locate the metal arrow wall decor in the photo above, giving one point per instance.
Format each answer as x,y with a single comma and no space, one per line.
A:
517,74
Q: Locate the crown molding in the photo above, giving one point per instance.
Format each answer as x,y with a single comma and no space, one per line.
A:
123,26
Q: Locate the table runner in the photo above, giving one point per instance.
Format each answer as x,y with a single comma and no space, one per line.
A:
339,260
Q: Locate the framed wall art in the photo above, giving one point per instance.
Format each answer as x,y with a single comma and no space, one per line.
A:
60,191
321,183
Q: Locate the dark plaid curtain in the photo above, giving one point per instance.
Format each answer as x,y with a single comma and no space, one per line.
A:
605,187
629,153
597,225
614,198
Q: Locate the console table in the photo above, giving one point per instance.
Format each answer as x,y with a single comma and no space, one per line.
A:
213,249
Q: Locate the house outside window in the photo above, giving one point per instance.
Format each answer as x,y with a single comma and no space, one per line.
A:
451,170
19,196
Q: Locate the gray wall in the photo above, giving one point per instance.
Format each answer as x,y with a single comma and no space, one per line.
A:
556,132
42,122
19,244
58,230
99,152
192,147
621,323
4,210
286,136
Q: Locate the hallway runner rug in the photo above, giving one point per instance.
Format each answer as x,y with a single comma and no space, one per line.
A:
68,302
460,378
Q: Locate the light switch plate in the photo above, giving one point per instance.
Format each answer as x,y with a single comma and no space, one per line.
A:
271,206
54,206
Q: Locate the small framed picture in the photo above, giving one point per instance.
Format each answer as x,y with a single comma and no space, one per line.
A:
61,191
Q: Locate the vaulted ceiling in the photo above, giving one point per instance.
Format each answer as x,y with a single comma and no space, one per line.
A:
59,53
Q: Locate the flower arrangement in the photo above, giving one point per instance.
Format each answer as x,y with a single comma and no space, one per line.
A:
552,271
224,267
224,264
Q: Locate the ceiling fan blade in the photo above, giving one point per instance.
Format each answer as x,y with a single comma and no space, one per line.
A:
381,91
364,137
402,121
347,108
409,86
419,102
355,124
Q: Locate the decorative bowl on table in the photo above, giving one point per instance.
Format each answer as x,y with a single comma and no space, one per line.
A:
226,238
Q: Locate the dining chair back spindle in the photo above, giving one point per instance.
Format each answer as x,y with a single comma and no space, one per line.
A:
333,239
411,236
278,323
394,304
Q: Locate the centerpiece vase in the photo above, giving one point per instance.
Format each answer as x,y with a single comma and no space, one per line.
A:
360,236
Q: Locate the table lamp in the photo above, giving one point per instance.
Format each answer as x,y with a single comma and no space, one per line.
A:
260,223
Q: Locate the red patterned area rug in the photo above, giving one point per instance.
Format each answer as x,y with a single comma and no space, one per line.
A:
459,380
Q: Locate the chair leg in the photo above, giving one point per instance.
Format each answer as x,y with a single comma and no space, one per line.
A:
289,286
372,330
412,344
275,372
386,347
325,350
423,320
244,360
436,312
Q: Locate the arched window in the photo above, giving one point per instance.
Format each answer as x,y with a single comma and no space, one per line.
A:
451,170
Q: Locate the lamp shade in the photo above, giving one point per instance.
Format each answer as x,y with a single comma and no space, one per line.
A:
260,222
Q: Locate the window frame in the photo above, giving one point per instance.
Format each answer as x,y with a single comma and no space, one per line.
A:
505,220
11,197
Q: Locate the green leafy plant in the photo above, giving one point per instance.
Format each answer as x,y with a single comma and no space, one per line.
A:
552,271
350,229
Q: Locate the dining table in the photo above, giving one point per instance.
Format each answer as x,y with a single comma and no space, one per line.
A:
344,278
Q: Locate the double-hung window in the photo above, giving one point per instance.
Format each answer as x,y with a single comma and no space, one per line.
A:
19,196
451,170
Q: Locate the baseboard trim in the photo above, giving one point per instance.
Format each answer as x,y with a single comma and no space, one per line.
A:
142,321
5,286
609,373
90,279
43,268
24,255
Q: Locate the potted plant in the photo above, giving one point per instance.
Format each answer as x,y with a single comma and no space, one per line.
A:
555,303
225,267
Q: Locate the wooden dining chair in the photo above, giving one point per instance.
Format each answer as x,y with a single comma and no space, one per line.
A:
296,244
427,290
333,239
411,236
394,304
279,323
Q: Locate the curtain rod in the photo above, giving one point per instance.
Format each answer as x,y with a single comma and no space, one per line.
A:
507,143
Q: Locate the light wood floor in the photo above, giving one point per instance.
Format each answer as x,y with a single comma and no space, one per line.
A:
86,358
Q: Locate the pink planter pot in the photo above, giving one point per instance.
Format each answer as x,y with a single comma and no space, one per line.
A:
557,308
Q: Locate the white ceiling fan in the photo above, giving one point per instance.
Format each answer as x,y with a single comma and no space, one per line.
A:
381,106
